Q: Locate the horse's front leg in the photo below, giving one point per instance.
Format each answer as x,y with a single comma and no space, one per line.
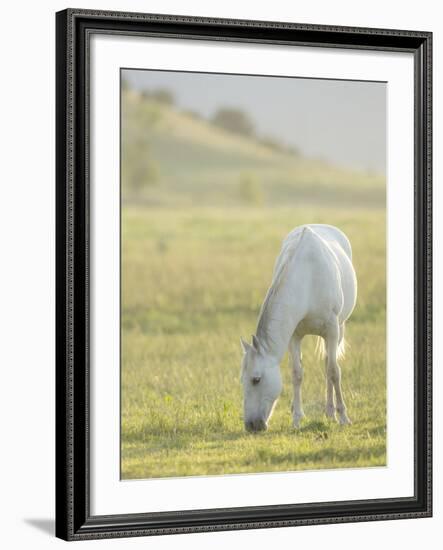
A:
297,379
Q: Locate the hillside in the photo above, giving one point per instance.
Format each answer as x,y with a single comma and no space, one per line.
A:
174,158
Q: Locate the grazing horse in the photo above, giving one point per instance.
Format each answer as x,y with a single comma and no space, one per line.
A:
313,291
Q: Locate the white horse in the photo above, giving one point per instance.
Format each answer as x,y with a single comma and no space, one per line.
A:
313,291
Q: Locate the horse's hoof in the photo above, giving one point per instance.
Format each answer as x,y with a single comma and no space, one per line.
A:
296,420
344,420
330,412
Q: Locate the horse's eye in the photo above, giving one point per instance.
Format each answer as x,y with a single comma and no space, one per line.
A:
256,380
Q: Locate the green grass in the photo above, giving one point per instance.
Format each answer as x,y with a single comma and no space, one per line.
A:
192,283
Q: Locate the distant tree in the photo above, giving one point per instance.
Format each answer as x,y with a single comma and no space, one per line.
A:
272,144
140,170
276,145
145,94
250,189
234,120
292,150
162,95
192,114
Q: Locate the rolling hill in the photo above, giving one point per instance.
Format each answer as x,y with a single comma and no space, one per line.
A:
174,158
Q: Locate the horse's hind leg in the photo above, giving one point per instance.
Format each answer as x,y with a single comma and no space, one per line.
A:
333,373
297,379
330,405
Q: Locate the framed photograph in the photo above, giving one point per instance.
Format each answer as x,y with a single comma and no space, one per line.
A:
243,274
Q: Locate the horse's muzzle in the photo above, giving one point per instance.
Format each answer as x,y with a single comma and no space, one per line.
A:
258,425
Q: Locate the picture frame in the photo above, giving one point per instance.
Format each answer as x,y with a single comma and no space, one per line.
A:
74,517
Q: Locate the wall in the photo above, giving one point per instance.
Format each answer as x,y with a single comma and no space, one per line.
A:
27,274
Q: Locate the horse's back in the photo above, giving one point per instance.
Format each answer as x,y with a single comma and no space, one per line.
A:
328,251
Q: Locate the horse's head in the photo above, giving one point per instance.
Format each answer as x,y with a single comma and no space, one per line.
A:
262,385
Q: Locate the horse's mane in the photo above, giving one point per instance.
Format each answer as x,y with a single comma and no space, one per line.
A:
280,273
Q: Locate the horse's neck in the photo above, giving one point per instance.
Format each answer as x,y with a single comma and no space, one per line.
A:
279,315
276,327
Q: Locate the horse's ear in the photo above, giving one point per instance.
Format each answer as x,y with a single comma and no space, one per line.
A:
245,346
255,343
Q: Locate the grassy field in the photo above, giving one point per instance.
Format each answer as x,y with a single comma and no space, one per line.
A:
193,280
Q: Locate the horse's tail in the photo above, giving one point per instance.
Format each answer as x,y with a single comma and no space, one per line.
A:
342,346
320,348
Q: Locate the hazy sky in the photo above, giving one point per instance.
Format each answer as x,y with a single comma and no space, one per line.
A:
339,120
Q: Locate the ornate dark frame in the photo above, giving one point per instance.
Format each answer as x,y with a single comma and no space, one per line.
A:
73,518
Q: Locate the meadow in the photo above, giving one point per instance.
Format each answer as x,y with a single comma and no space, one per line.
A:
193,283
197,259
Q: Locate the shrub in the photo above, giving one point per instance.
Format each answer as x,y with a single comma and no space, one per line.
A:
234,120
162,95
250,189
